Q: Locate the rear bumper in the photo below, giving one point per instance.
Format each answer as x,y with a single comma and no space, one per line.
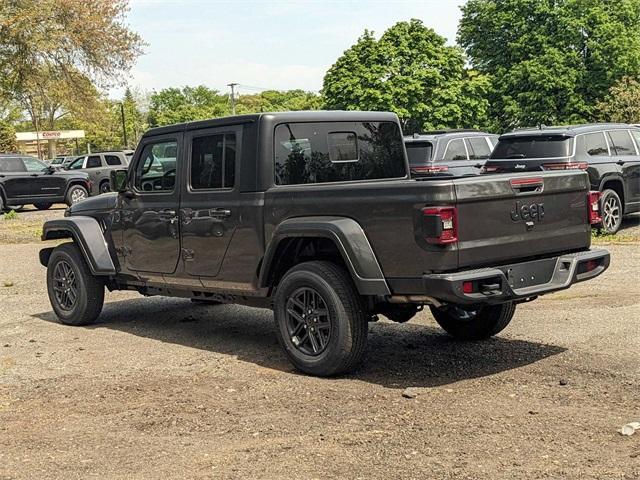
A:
518,281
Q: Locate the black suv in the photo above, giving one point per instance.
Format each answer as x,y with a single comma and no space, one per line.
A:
449,152
610,153
27,180
314,214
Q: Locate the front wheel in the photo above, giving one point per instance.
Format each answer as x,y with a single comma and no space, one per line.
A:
75,294
76,194
474,323
105,187
320,318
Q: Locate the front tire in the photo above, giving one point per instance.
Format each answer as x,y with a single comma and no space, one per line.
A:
612,211
320,318
105,187
76,194
75,294
43,206
474,323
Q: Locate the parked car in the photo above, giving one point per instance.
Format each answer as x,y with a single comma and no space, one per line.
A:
610,153
99,166
315,215
62,161
454,153
27,180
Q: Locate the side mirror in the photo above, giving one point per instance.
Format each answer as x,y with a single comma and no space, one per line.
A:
119,179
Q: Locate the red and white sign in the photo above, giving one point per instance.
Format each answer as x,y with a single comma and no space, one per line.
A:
49,135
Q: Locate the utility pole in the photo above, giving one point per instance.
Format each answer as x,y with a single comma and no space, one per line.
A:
233,97
124,128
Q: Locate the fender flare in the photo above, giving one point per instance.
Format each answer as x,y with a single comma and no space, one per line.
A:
349,238
87,234
613,177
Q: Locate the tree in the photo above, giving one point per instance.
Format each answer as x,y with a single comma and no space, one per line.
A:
622,104
176,105
411,71
550,61
278,101
8,142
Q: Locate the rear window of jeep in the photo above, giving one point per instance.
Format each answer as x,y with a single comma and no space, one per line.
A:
337,152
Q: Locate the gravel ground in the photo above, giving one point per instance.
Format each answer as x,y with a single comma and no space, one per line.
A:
161,388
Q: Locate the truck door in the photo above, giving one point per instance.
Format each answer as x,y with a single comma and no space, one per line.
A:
149,210
209,210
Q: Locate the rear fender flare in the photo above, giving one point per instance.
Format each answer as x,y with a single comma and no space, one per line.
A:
87,234
350,240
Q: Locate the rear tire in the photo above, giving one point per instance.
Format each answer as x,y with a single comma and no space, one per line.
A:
43,206
105,187
320,318
477,323
611,209
75,294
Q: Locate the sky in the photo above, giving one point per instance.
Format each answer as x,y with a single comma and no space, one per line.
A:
262,44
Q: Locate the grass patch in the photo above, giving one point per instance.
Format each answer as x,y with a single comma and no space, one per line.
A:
12,215
601,238
20,231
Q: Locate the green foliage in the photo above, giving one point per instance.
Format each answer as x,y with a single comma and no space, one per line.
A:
12,215
411,71
550,61
622,104
176,105
8,142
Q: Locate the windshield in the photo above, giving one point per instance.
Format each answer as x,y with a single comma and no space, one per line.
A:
419,153
535,146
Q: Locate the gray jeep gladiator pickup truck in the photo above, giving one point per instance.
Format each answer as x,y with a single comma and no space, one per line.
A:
314,214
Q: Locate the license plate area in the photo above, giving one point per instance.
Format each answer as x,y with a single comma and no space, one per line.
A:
527,274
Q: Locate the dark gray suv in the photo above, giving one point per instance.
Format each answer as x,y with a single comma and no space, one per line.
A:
610,153
452,153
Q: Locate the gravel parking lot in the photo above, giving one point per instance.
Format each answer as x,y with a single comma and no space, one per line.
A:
162,388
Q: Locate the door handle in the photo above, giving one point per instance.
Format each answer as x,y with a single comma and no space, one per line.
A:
33,175
478,165
219,212
620,162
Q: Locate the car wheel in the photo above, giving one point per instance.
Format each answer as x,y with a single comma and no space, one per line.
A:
43,206
76,295
105,187
320,318
474,323
76,194
611,210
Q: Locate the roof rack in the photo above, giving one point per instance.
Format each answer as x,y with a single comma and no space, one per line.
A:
445,130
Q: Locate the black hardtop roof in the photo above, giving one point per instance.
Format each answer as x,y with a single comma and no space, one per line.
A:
431,136
565,130
278,117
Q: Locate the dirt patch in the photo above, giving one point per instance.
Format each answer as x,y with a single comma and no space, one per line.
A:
162,388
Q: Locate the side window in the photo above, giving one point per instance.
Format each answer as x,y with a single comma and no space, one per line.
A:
622,142
156,167
213,161
12,164
595,144
636,136
337,152
76,164
478,148
94,161
455,151
33,165
112,160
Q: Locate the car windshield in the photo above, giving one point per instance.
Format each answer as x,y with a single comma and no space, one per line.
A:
535,146
419,152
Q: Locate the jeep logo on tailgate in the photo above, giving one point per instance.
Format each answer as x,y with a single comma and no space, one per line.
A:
534,211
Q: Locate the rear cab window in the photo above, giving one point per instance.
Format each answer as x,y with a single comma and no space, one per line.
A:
419,153
113,160
596,145
323,152
12,164
455,150
621,142
534,146
478,147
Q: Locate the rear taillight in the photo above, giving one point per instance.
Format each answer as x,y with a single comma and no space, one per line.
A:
594,207
565,166
430,169
440,225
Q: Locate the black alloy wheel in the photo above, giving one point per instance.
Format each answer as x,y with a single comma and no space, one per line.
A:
308,321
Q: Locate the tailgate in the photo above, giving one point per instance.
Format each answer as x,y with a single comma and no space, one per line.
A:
505,217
